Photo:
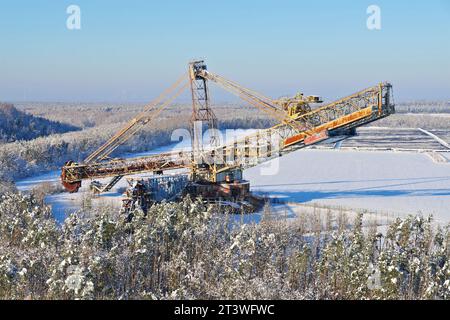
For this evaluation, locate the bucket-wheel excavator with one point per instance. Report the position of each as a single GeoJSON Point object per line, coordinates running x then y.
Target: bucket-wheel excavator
{"type": "Point", "coordinates": [215, 171]}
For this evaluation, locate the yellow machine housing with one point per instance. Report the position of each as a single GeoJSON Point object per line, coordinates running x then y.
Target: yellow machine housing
{"type": "Point", "coordinates": [298, 105]}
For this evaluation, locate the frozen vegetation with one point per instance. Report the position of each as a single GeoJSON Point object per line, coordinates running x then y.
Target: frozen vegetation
{"type": "Point", "coordinates": [25, 158]}
{"type": "Point", "coordinates": [17, 125]}
{"type": "Point", "coordinates": [190, 251]}
{"type": "Point", "coordinates": [428, 121]}
{"type": "Point", "coordinates": [424, 107]}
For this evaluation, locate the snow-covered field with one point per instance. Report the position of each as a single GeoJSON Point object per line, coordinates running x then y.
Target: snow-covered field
{"type": "Point", "coordinates": [399, 183]}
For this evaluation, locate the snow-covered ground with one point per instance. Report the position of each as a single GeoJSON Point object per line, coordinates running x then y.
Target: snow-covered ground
{"type": "Point", "coordinates": [399, 183]}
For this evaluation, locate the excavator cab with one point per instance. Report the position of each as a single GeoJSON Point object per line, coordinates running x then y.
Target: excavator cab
{"type": "Point", "coordinates": [298, 105]}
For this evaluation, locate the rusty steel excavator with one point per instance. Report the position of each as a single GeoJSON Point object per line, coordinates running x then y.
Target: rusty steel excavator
{"type": "Point", "coordinates": [215, 171]}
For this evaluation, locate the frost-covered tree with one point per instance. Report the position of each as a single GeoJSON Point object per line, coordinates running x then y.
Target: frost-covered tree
{"type": "Point", "coordinates": [195, 251]}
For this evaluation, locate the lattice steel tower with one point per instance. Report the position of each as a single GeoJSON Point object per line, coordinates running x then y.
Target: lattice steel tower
{"type": "Point", "coordinates": [201, 111]}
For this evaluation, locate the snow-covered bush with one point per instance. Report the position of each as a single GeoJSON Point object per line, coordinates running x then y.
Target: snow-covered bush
{"type": "Point", "coordinates": [191, 250]}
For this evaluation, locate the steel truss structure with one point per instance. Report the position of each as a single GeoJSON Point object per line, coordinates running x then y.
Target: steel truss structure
{"type": "Point", "coordinates": [336, 120]}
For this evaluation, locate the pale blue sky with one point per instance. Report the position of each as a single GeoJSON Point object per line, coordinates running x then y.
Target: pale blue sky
{"type": "Point", "coordinates": [131, 50]}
